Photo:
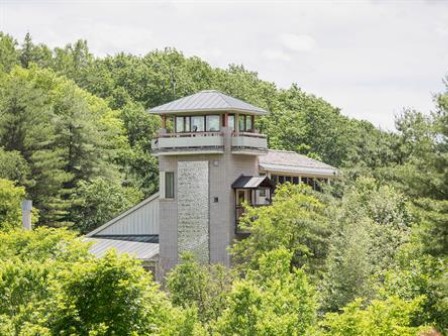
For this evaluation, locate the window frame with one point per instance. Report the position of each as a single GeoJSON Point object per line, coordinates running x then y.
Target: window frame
{"type": "Point", "coordinates": [169, 185]}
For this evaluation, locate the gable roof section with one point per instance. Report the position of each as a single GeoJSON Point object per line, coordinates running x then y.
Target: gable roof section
{"type": "Point", "coordinates": [125, 224]}
{"type": "Point", "coordinates": [207, 101]}
{"type": "Point", "coordinates": [293, 163]}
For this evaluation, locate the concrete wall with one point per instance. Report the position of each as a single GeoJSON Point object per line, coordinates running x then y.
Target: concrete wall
{"type": "Point", "coordinates": [224, 169]}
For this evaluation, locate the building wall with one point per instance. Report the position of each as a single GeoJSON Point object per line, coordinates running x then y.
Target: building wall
{"type": "Point", "coordinates": [223, 170]}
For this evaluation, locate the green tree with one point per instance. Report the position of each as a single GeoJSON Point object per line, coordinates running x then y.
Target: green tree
{"type": "Point", "coordinates": [65, 135]}
{"type": "Point", "coordinates": [9, 55]}
{"type": "Point", "coordinates": [10, 205]}
{"type": "Point", "coordinates": [296, 220]}
{"type": "Point", "coordinates": [98, 201]}
{"type": "Point", "coordinates": [270, 301]}
{"type": "Point", "coordinates": [204, 287]}
{"type": "Point", "coordinates": [14, 167]}
{"type": "Point", "coordinates": [51, 285]}
{"type": "Point", "coordinates": [370, 224]}
{"type": "Point", "coordinates": [389, 317]}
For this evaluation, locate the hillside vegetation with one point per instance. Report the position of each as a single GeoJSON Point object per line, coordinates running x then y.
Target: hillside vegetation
{"type": "Point", "coordinates": [367, 256]}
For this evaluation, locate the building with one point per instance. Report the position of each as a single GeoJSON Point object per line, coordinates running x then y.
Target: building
{"type": "Point", "coordinates": [211, 161]}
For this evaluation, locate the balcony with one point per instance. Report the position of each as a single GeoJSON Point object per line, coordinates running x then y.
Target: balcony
{"type": "Point", "coordinates": [249, 143]}
{"type": "Point", "coordinates": [188, 143]}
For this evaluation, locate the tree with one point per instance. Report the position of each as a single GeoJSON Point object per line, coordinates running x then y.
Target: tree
{"type": "Point", "coordinates": [273, 300]}
{"type": "Point", "coordinates": [296, 221]}
{"type": "Point", "coordinates": [98, 201]}
{"type": "Point", "coordinates": [9, 55]}
{"type": "Point", "coordinates": [204, 287]}
{"type": "Point", "coordinates": [389, 317]}
{"type": "Point", "coordinates": [65, 135]}
{"type": "Point", "coordinates": [370, 225]}
{"type": "Point", "coordinates": [50, 284]}
{"type": "Point", "coordinates": [14, 167]}
{"type": "Point", "coordinates": [10, 205]}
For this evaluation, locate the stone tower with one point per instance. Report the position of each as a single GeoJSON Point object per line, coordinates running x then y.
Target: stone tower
{"type": "Point", "coordinates": [208, 152]}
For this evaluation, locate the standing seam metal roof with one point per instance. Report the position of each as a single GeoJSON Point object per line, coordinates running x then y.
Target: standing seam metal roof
{"type": "Point", "coordinates": [208, 100]}
{"type": "Point", "coordinates": [142, 251]}
{"type": "Point", "coordinates": [290, 158]}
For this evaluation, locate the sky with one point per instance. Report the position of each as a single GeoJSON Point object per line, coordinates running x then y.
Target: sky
{"type": "Point", "coordinates": [370, 58]}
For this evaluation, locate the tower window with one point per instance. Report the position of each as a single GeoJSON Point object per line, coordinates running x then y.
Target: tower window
{"type": "Point", "coordinates": [232, 122]}
{"type": "Point", "coordinates": [197, 124]}
{"type": "Point", "coordinates": [169, 185]}
{"type": "Point", "coordinates": [212, 123]}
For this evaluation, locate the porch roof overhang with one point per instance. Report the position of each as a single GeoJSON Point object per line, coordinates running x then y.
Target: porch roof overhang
{"type": "Point", "coordinates": [252, 182]}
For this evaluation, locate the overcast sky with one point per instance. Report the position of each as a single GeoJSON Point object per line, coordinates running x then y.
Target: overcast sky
{"type": "Point", "coordinates": [369, 58]}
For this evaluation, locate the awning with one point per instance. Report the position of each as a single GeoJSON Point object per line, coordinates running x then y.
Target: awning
{"type": "Point", "coordinates": [252, 182]}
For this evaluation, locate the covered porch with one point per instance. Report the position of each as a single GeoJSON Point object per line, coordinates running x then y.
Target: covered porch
{"type": "Point", "coordinates": [254, 191]}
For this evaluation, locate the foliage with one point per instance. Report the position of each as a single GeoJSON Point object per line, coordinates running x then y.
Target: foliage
{"type": "Point", "coordinates": [271, 301]}
{"type": "Point", "coordinates": [50, 284]}
{"type": "Point", "coordinates": [389, 317]}
{"type": "Point", "coordinates": [295, 221]}
{"type": "Point", "coordinates": [98, 201]}
{"type": "Point", "coordinates": [204, 287]}
{"type": "Point", "coordinates": [371, 223]}
{"type": "Point", "coordinates": [14, 167]}
{"type": "Point", "coordinates": [11, 198]}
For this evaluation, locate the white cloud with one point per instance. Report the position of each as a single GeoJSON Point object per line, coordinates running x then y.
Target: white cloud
{"type": "Point", "coordinates": [370, 58]}
{"type": "Point", "coordinates": [298, 42]}
{"type": "Point", "coordinates": [276, 55]}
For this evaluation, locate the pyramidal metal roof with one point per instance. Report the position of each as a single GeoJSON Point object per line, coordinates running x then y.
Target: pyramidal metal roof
{"type": "Point", "coordinates": [207, 101]}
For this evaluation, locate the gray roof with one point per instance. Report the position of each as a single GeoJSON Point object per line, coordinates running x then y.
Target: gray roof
{"type": "Point", "coordinates": [207, 101]}
{"type": "Point", "coordinates": [252, 182]}
{"type": "Point", "coordinates": [141, 251]}
{"type": "Point", "coordinates": [294, 163]}
{"type": "Point", "coordinates": [131, 237]}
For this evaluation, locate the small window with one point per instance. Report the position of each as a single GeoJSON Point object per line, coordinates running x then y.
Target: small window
{"type": "Point", "coordinates": [169, 185]}
{"type": "Point", "coordinates": [295, 180]}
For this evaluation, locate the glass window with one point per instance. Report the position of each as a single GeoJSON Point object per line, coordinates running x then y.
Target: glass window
{"type": "Point", "coordinates": [212, 123]}
{"type": "Point", "coordinates": [179, 124]}
{"type": "Point", "coordinates": [232, 122]}
{"type": "Point", "coordinates": [241, 197]}
{"type": "Point", "coordinates": [249, 123]}
{"type": "Point", "coordinates": [187, 124]}
{"type": "Point", "coordinates": [169, 185]}
{"type": "Point", "coordinates": [295, 180]}
{"type": "Point", "coordinates": [242, 123]}
{"type": "Point", "coordinates": [197, 124]}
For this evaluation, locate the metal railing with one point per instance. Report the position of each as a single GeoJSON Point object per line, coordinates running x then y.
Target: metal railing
{"type": "Point", "coordinates": [190, 134]}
